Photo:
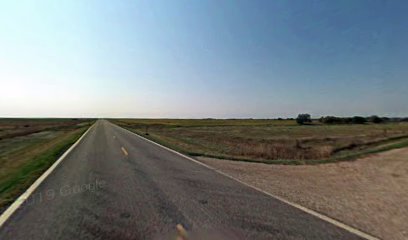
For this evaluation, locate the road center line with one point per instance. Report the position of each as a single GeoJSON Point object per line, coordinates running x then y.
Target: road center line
{"type": "Point", "coordinates": [124, 151]}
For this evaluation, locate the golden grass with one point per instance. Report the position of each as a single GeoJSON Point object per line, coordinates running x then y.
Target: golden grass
{"type": "Point", "coordinates": [266, 139]}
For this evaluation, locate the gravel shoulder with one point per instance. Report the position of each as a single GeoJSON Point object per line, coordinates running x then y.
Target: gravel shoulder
{"type": "Point", "coordinates": [369, 194]}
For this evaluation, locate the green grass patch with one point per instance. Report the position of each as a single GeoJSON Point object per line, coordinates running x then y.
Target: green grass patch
{"type": "Point", "coordinates": [16, 178]}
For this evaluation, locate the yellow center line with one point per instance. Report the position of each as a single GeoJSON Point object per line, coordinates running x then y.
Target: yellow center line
{"type": "Point", "coordinates": [124, 151]}
{"type": "Point", "coordinates": [181, 232]}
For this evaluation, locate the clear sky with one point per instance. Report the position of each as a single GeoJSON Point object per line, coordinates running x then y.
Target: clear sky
{"type": "Point", "coordinates": [260, 59]}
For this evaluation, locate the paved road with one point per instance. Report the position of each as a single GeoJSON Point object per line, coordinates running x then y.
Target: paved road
{"type": "Point", "coordinates": [115, 185]}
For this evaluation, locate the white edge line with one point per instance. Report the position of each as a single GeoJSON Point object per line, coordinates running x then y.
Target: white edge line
{"type": "Point", "coordinates": [304, 209]}
{"type": "Point", "coordinates": [23, 197]}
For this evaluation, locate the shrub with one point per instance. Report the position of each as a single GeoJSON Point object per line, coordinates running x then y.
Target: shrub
{"type": "Point", "coordinates": [348, 120]}
{"type": "Point", "coordinates": [331, 120]}
{"type": "Point", "coordinates": [358, 120]}
{"type": "Point", "coordinates": [375, 119]}
{"type": "Point", "coordinates": [386, 119]}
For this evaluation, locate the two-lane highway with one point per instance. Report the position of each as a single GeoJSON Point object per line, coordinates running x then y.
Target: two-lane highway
{"type": "Point", "coordinates": [116, 185]}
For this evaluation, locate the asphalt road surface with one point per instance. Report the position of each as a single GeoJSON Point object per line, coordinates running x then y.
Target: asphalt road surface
{"type": "Point", "coordinates": [116, 185]}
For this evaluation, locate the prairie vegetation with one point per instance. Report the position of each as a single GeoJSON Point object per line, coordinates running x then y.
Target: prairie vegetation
{"type": "Point", "coordinates": [10, 128]}
{"type": "Point", "coordinates": [271, 141]}
{"type": "Point", "coordinates": [28, 147]}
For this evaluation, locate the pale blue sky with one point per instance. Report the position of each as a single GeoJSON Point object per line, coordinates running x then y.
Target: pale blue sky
{"type": "Point", "coordinates": [195, 58]}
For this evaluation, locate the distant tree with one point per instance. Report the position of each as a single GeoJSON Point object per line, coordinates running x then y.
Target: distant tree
{"type": "Point", "coordinates": [375, 119]}
{"type": "Point", "coordinates": [358, 120]}
{"type": "Point", "coordinates": [303, 118]}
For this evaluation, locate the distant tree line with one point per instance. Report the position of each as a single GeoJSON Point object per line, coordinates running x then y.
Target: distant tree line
{"type": "Point", "coordinates": [344, 120]}
{"type": "Point", "coordinates": [305, 118]}
{"type": "Point", "coordinates": [353, 120]}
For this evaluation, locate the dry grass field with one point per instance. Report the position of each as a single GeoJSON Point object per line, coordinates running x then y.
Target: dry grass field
{"type": "Point", "coordinates": [270, 141]}
{"type": "Point", "coordinates": [14, 127]}
{"type": "Point", "coordinates": [28, 147]}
